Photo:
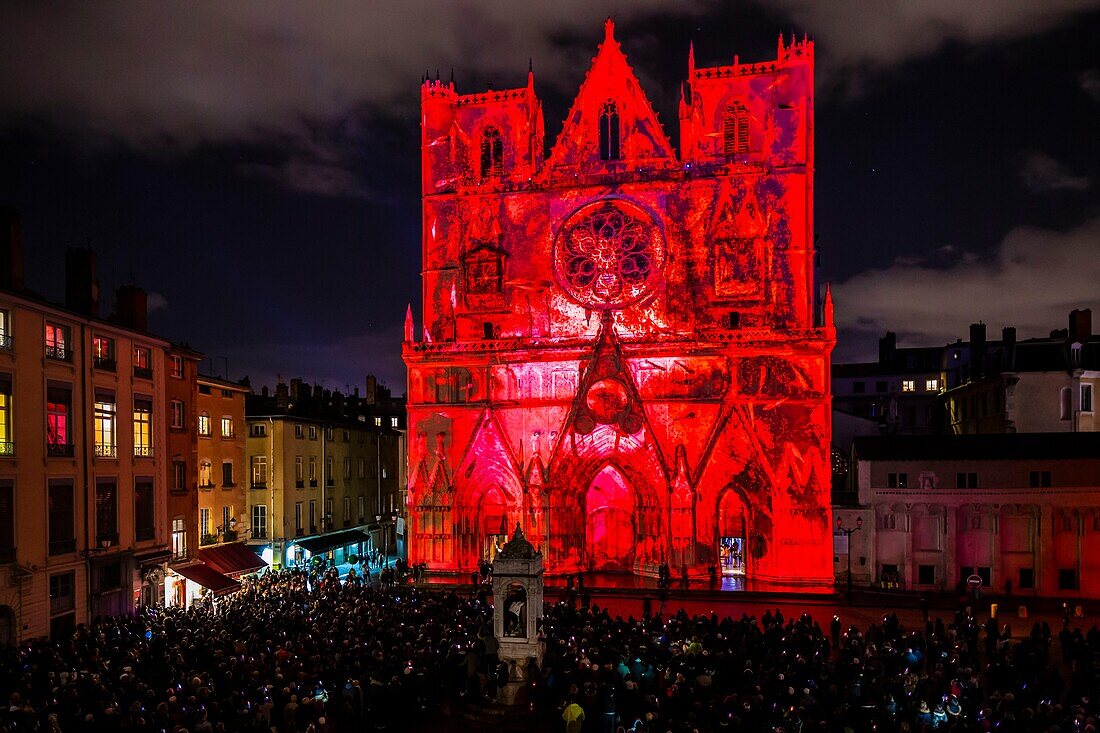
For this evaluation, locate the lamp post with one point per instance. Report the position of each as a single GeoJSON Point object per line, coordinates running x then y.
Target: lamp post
{"type": "Point", "coordinates": [848, 533]}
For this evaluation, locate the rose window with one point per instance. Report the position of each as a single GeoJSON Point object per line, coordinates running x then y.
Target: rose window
{"type": "Point", "coordinates": [608, 254]}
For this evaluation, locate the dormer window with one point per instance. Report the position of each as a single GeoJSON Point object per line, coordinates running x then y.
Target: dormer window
{"type": "Point", "coordinates": [610, 132]}
{"type": "Point", "coordinates": [735, 130]}
{"type": "Point", "coordinates": [492, 154]}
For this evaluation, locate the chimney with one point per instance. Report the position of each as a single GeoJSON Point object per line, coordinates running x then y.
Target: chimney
{"type": "Point", "coordinates": [372, 389]}
{"type": "Point", "coordinates": [1008, 346]}
{"type": "Point", "coordinates": [1080, 324]}
{"type": "Point", "coordinates": [81, 284]}
{"type": "Point", "coordinates": [888, 348]}
{"type": "Point", "coordinates": [11, 248]}
{"type": "Point", "coordinates": [133, 308]}
{"type": "Point", "coordinates": [295, 389]}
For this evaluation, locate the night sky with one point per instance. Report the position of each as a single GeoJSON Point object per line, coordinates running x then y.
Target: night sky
{"type": "Point", "coordinates": [255, 166]}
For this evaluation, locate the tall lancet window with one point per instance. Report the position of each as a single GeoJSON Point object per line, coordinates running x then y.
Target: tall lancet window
{"type": "Point", "coordinates": [610, 132]}
{"type": "Point", "coordinates": [735, 129]}
{"type": "Point", "coordinates": [492, 154]}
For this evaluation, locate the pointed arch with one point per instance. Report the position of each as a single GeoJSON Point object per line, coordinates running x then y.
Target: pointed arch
{"type": "Point", "coordinates": [610, 131]}
{"type": "Point", "coordinates": [492, 153]}
{"type": "Point", "coordinates": [735, 129]}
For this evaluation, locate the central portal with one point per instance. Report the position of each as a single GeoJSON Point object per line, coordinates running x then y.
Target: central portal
{"type": "Point", "coordinates": [610, 535]}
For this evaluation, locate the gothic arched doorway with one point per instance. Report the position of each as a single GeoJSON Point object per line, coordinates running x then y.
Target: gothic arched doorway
{"type": "Point", "coordinates": [610, 533]}
{"type": "Point", "coordinates": [733, 532]}
{"type": "Point", "coordinates": [493, 523]}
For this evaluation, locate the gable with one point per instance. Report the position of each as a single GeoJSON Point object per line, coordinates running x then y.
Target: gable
{"type": "Point", "coordinates": [610, 81]}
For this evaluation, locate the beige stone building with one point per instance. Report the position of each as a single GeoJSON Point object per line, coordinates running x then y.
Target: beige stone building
{"type": "Point", "coordinates": [83, 512]}
{"type": "Point", "coordinates": [1020, 511]}
{"type": "Point", "coordinates": [324, 479]}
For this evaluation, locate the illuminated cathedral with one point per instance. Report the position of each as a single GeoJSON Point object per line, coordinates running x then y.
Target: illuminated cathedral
{"type": "Point", "coordinates": [621, 349]}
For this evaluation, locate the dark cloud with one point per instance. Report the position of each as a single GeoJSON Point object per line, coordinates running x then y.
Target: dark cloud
{"type": "Point", "coordinates": [1032, 281]}
{"type": "Point", "coordinates": [1041, 173]}
{"type": "Point", "coordinates": [1090, 83]}
{"type": "Point", "coordinates": [887, 32]}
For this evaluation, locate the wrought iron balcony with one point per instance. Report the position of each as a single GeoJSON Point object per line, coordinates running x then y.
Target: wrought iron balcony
{"type": "Point", "coordinates": [103, 450]}
{"type": "Point", "coordinates": [299, 484]}
{"type": "Point", "coordinates": [59, 353]}
{"type": "Point", "coordinates": [143, 451]}
{"type": "Point", "coordinates": [143, 372]}
{"type": "Point", "coordinates": [7, 448]}
{"type": "Point", "coordinates": [208, 539]}
{"type": "Point", "coordinates": [259, 534]}
{"type": "Point", "coordinates": [7, 343]}
{"type": "Point", "coordinates": [60, 450]}
{"type": "Point", "coordinates": [104, 363]}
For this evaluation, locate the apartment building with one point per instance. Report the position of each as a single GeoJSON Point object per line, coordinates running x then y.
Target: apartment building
{"type": "Point", "coordinates": [83, 511]}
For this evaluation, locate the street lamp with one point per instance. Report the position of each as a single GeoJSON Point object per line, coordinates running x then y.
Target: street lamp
{"type": "Point", "coordinates": [385, 537]}
{"type": "Point", "coordinates": [848, 533]}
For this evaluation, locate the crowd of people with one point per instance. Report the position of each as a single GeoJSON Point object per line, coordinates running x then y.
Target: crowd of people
{"type": "Point", "coordinates": [294, 652]}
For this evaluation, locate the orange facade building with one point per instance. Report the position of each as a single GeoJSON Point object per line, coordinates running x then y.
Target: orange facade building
{"type": "Point", "coordinates": [621, 349]}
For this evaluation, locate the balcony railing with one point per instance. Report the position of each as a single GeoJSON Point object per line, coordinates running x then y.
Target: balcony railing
{"type": "Point", "coordinates": [7, 448]}
{"type": "Point", "coordinates": [206, 486]}
{"type": "Point", "coordinates": [313, 483]}
{"type": "Point", "coordinates": [259, 534]}
{"type": "Point", "coordinates": [208, 539]}
{"type": "Point", "coordinates": [59, 353]}
{"type": "Point", "coordinates": [313, 529]}
{"type": "Point", "coordinates": [104, 363]}
{"type": "Point", "coordinates": [7, 343]}
{"type": "Point", "coordinates": [145, 533]}
{"type": "Point", "coordinates": [102, 450]}
{"type": "Point", "coordinates": [60, 450]}
{"type": "Point", "coordinates": [63, 547]}
{"type": "Point", "coordinates": [143, 451]}
{"type": "Point", "coordinates": [299, 484]}
{"type": "Point", "coordinates": [143, 372]}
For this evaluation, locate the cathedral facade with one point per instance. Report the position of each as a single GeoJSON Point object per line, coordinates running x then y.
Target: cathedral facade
{"type": "Point", "coordinates": [620, 349]}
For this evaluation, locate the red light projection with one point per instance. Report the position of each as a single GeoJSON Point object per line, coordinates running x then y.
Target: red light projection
{"type": "Point", "coordinates": [620, 350]}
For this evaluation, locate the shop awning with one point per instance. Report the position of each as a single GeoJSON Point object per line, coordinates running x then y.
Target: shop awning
{"type": "Point", "coordinates": [208, 578]}
{"type": "Point", "coordinates": [326, 542]}
{"type": "Point", "coordinates": [233, 558]}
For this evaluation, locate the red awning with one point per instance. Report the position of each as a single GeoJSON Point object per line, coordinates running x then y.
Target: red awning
{"type": "Point", "coordinates": [233, 558]}
{"type": "Point", "coordinates": [208, 578]}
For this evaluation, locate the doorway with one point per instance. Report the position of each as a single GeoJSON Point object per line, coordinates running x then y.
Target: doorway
{"type": "Point", "coordinates": [611, 534]}
{"type": "Point", "coordinates": [732, 531]}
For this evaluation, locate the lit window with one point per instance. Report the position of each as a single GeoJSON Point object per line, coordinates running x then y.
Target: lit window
{"type": "Point", "coordinates": [908, 385]}
{"type": "Point", "coordinates": [204, 424]}
{"type": "Point", "coordinates": [298, 474]}
{"type": "Point", "coordinates": [143, 428]}
{"type": "Point", "coordinates": [378, 422]}
{"type": "Point", "coordinates": [610, 132]}
{"type": "Point", "coordinates": [932, 385]}
{"type": "Point", "coordinates": [103, 352]}
{"type": "Point", "coordinates": [58, 400]}
{"type": "Point", "coordinates": [57, 342]}
{"type": "Point", "coordinates": [104, 425]}
{"type": "Point", "coordinates": [227, 427]}
{"type": "Point", "coordinates": [5, 330]}
{"type": "Point", "coordinates": [179, 538]}
{"type": "Point", "coordinates": [175, 366]}
{"type": "Point", "coordinates": [177, 414]}
{"type": "Point", "coordinates": [313, 470]}
{"type": "Point", "coordinates": [206, 474]}
{"type": "Point", "coordinates": [7, 448]}
{"type": "Point", "coordinates": [204, 524]}
{"type": "Point", "coordinates": [142, 366]}
{"type": "Point", "coordinates": [492, 154]}
{"type": "Point", "coordinates": [393, 422]}
{"type": "Point", "coordinates": [735, 129]}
